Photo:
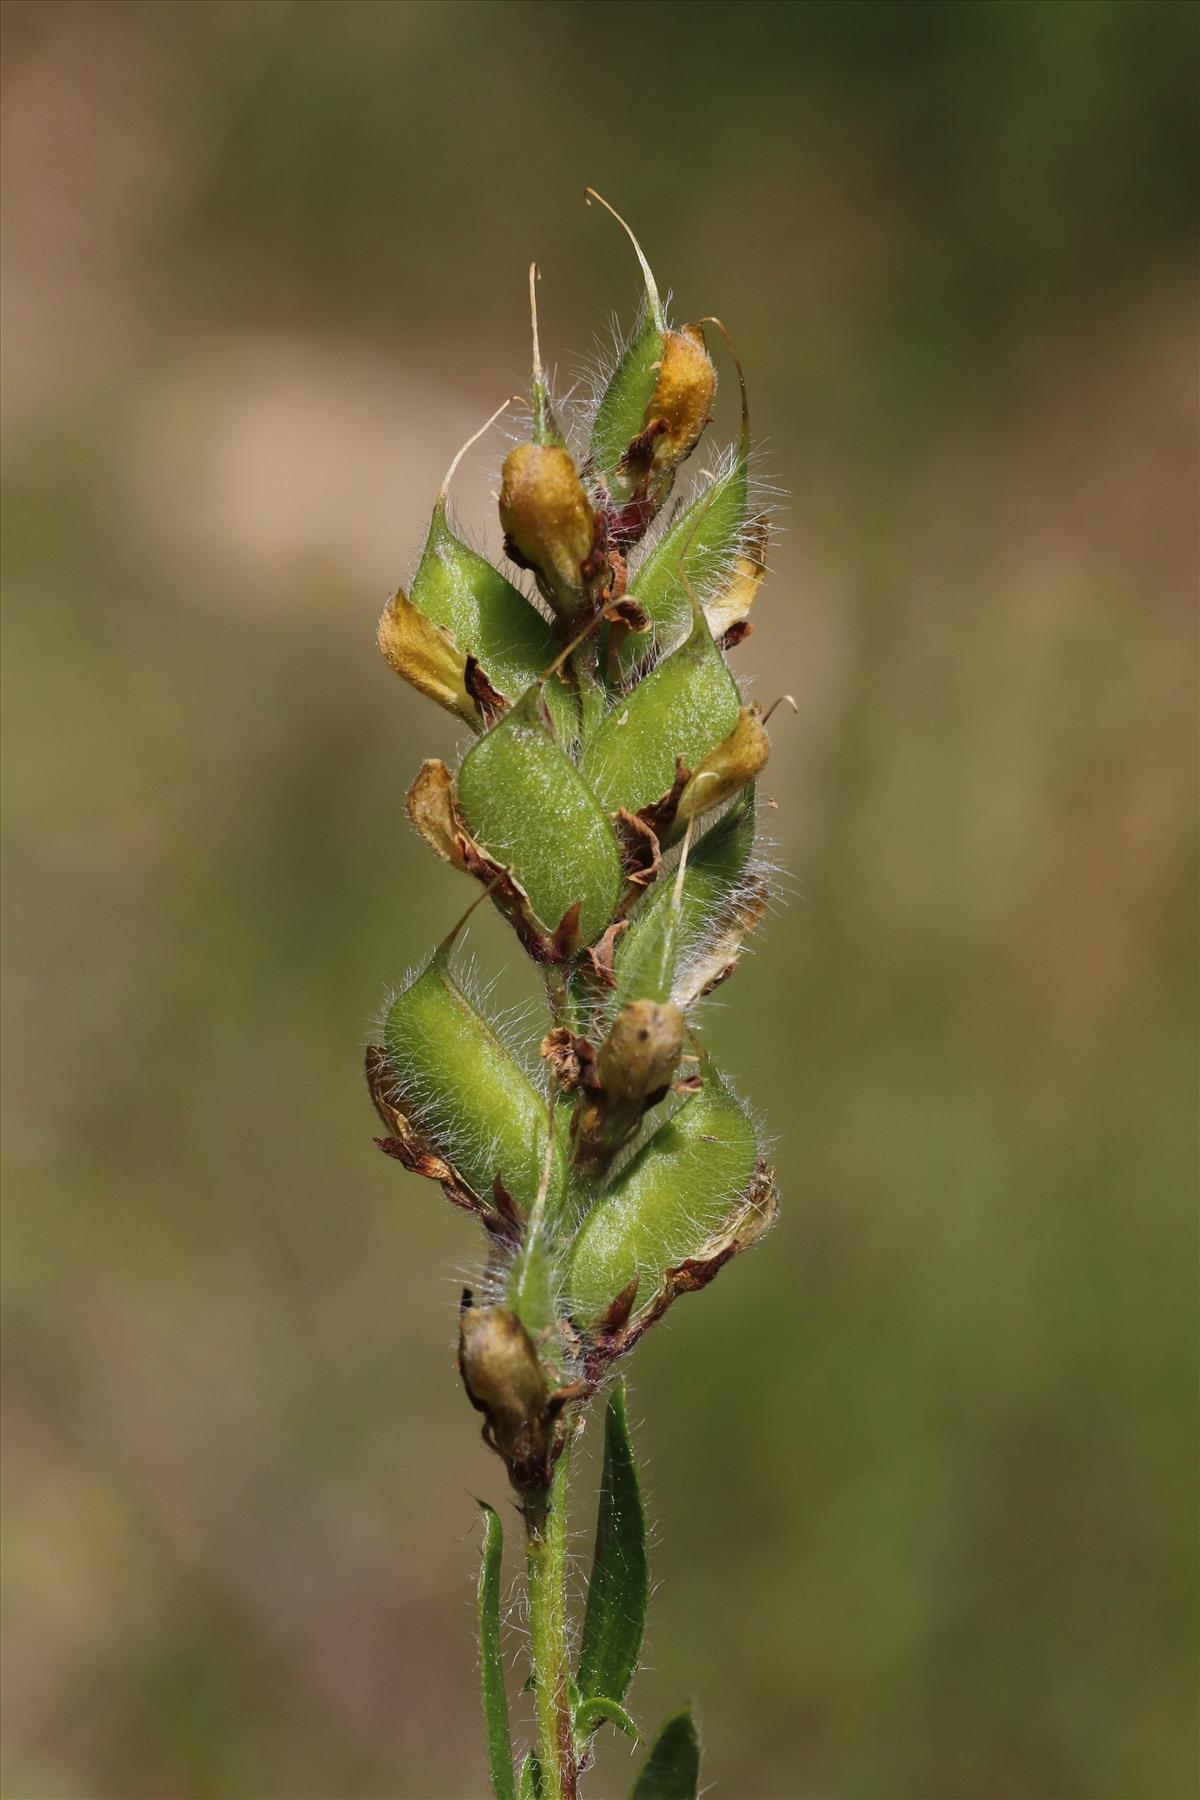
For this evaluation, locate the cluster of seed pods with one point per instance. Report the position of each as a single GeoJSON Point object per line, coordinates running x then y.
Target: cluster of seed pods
{"type": "Point", "coordinates": [607, 807]}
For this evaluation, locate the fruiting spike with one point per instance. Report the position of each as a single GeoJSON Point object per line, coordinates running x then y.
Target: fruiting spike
{"type": "Point", "coordinates": [599, 747]}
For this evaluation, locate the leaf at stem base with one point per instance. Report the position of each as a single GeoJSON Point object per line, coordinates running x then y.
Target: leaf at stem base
{"type": "Point", "coordinates": [491, 1661]}
{"type": "Point", "coordinates": [619, 1584]}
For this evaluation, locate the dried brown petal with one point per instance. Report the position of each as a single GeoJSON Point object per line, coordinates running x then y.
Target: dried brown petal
{"type": "Point", "coordinates": [726, 770]}
{"type": "Point", "coordinates": [601, 954]}
{"type": "Point", "coordinates": [572, 1059]}
{"type": "Point", "coordinates": [727, 609]}
{"type": "Point", "coordinates": [426, 656]}
{"type": "Point", "coordinates": [641, 856]}
{"type": "Point", "coordinates": [489, 703]}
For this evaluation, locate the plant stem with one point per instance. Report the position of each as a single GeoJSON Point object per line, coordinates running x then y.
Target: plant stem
{"type": "Point", "coordinates": [546, 1554]}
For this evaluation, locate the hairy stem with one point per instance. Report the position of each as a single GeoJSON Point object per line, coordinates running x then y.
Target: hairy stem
{"type": "Point", "coordinates": [546, 1553]}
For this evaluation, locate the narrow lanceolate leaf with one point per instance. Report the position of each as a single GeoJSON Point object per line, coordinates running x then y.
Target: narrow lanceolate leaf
{"type": "Point", "coordinates": [616, 1603]}
{"type": "Point", "coordinates": [672, 1769]}
{"type": "Point", "coordinates": [491, 1662]}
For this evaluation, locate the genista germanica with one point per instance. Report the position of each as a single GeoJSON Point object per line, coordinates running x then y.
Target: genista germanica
{"type": "Point", "coordinates": [606, 805]}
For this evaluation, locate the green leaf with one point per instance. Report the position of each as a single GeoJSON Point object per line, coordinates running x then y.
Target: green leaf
{"type": "Point", "coordinates": [530, 808]}
{"type": "Point", "coordinates": [683, 709]}
{"type": "Point", "coordinates": [491, 1662]}
{"type": "Point", "coordinates": [700, 543]}
{"type": "Point", "coordinates": [672, 1769]}
{"type": "Point", "coordinates": [530, 1787]}
{"type": "Point", "coordinates": [667, 1203]}
{"type": "Point", "coordinates": [617, 1591]}
{"type": "Point", "coordinates": [622, 408]}
{"type": "Point", "coordinates": [591, 1714]}
{"type": "Point", "coordinates": [455, 1077]}
{"type": "Point", "coordinates": [488, 617]}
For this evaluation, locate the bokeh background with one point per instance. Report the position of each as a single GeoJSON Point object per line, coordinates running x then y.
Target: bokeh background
{"type": "Point", "coordinates": [924, 1468]}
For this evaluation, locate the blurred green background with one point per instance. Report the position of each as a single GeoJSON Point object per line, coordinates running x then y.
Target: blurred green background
{"type": "Point", "coordinates": [924, 1467]}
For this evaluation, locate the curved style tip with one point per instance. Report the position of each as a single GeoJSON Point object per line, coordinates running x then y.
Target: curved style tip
{"type": "Point", "coordinates": [513, 400]}
{"type": "Point", "coordinates": [711, 319]}
{"type": "Point", "coordinates": [655, 304]}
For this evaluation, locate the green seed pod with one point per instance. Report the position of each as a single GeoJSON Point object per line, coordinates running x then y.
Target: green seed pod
{"type": "Point", "coordinates": [469, 1095]}
{"type": "Point", "coordinates": [621, 412]}
{"type": "Point", "coordinates": [669, 1203]}
{"type": "Point", "coordinates": [505, 1381]}
{"type": "Point", "coordinates": [684, 392]}
{"type": "Point", "coordinates": [548, 524]}
{"type": "Point", "coordinates": [667, 925]}
{"type": "Point", "coordinates": [653, 411]}
{"type": "Point", "coordinates": [528, 806]}
{"type": "Point", "coordinates": [699, 551]}
{"type": "Point", "coordinates": [634, 1067]}
{"type": "Point", "coordinates": [624, 401]}
{"type": "Point", "coordinates": [702, 537]}
{"type": "Point", "coordinates": [682, 710]}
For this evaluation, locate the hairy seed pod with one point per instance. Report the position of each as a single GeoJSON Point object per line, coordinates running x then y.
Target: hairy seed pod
{"type": "Point", "coordinates": [548, 525]}
{"type": "Point", "coordinates": [683, 394]}
{"type": "Point", "coordinates": [678, 1191]}
{"type": "Point", "coordinates": [635, 1065]}
{"type": "Point", "coordinates": [505, 1381]}
{"type": "Point", "coordinates": [652, 411]}
{"type": "Point", "coordinates": [664, 929]}
{"type": "Point", "coordinates": [681, 711]}
{"type": "Point", "coordinates": [529, 807]}
{"type": "Point", "coordinates": [471, 1097]}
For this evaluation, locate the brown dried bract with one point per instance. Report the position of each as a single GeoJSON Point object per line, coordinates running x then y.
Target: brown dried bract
{"type": "Point", "coordinates": [736, 634]}
{"type": "Point", "coordinates": [572, 1059]}
{"type": "Point", "coordinates": [641, 855]}
{"type": "Point", "coordinates": [601, 955]}
{"type": "Point", "coordinates": [489, 702]}
{"type": "Point", "coordinates": [748, 1221]}
{"type": "Point", "coordinates": [659, 816]}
